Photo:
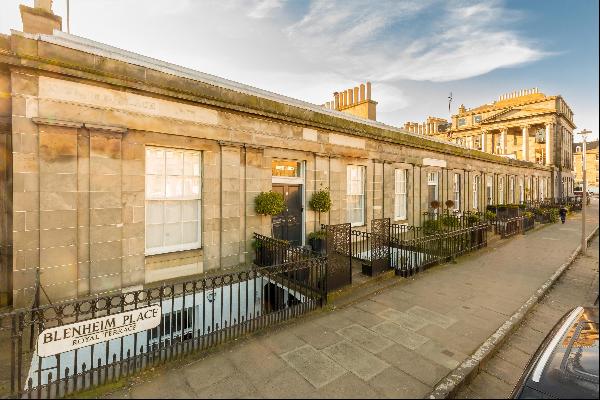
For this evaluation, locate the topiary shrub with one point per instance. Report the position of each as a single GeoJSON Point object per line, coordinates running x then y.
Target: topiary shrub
{"type": "Point", "coordinates": [269, 203]}
{"type": "Point", "coordinates": [449, 204]}
{"type": "Point", "coordinates": [435, 204]}
{"type": "Point", "coordinates": [320, 202]}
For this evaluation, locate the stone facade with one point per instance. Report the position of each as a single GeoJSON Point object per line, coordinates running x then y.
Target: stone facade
{"type": "Point", "coordinates": [76, 118]}
{"type": "Point", "coordinates": [591, 162]}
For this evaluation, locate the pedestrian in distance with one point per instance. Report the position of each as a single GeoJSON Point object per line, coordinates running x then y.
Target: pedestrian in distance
{"type": "Point", "coordinates": [563, 214]}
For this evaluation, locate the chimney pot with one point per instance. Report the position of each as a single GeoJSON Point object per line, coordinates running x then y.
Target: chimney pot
{"type": "Point", "coordinates": [368, 90]}
{"type": "Point", "coordinates": [43, 4]}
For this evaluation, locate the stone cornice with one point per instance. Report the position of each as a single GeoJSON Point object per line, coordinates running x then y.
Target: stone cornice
{"type": "Point", "coordinates": [224, 143]}
{"type": "Point", "coordinates": [108, 128]}
{"type": "Point", "coordinates": [56, 122]}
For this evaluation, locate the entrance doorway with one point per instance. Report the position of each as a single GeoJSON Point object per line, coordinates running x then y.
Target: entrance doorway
{"type": "Point", "coordinates": [288, 224]}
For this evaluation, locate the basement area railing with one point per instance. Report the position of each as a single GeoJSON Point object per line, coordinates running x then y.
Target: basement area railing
{"type": "Point", "coordinates": [83, 344]}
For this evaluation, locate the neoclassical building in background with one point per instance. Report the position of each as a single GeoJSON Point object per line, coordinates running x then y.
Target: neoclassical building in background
{"type": "Point", "coordinates": [121, 172]}
{"type": "Point", "coordinates": [524, 125]}
{"type": "Point", "coordinates": [592, 164]}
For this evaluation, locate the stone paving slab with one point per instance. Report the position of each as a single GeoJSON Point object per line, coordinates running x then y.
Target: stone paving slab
{"type": "Point", "coordinates": [398, 343]}
{"type": "Point", "coordinates": [313, 365]}
{"type": "Point", "coordinates": [405, 320]}
{"type": "Point", "coordinates": [400, 335]}
{"type": "Point", "coordinates": [365, 338]}
{"type": "Point", "coordinates": [356, 360]}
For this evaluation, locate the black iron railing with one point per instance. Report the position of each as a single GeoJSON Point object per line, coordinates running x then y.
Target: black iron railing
{"type": "Point", "coordinates": [411, 256]}
{"type": "Point", "coordinates": [405, 232]}
{"type": "Point", "coordinates": [508, 227]}
{"type": "Point", "coordinates": [194, 316]}
{"type": "Point", "coordinates": [528, 222]}
{"type": "Point", "coordinates": [269, 251]}
{"type": "Point", "coordinates": [360, 245]}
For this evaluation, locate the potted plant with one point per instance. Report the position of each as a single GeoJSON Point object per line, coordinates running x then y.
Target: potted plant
{"type": "Point", "coordinates": [317, 241]}
{"type": "Point", "coordinates": [320, 202]}
{"type": "Point", "coordinates": [269, 203]}
{"type": "Point", "coordinates": [262, 256]}
{"type": "Point", "coordinates": [435, 204]}
{"type": "Point", "coordinates": [449, 204]}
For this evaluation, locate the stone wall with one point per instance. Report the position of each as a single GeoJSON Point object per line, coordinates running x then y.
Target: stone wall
{"type": "Point", "coordinates": [78, 173]}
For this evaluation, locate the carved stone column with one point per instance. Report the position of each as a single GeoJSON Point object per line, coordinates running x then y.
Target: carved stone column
{"type": "Point", "coordinates": [525, 129]}
{"type": "Point", "coordinates": [503, 135]}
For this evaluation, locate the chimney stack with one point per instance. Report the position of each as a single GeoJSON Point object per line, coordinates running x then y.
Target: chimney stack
{"type": "Point", "coordinates": [356, 101]}
{"type": "Point", "coordinates": [40, 18]}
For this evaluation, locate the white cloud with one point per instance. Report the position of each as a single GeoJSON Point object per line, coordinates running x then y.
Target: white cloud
{"type": "Point", "coordinates": [308, 50]}
{"type": "Point", "coordinates": [264, 8]}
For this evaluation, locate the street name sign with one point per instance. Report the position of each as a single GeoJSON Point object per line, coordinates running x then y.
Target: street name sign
{"type": "Point", "coordinates": [65, 338]}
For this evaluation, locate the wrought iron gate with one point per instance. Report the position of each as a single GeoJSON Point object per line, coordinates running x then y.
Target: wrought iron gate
{"type": "Point", "coordinates": [339, 260]}
{"type": "Point", "coordinates": [380, 245]}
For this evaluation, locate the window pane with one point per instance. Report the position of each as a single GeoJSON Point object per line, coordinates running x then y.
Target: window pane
{"type": "Point", "coordinates": [155, 161]}
{"type": "Point", "coordinates": [154, 236]}
{"type": "Point", "coordinates": [191, 186]}
{"type": "Point", "coordinates": [172, 234]}
{"type": "Point", "coordinates": [190, 232]}
{"type": "Point", "coordinates": [174, 162]}
{"type": "Point", "coordinates": [191, 164]}
{"type": "Point", "coordinates": [172, 211]}
{"type": "Point", "coordinates": [154, 212]}
{"type": "Point", "coordinates": [174, 187]}
{"type": "Point", "coordinates": [189, 210]}
{"type": "Point", "coordinates": [155, 186]}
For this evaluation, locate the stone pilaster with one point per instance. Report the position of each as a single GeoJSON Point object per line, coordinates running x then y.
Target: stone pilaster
{"type": "Point", "coordinates": [230, 204]}
{"type": "Point", "coordinates": [550, 143]}
{"type": "Point", "coordinates": [106, 211]}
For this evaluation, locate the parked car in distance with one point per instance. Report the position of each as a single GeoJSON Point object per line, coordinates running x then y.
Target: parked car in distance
{"type": "Point", "coordinates": [565, 366]}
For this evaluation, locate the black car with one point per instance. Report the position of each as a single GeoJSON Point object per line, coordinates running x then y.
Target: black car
{"type": "Point", "coordinates": [565, 366]}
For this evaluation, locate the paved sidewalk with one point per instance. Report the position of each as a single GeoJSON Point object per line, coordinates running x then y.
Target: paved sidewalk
{"type": "Point", "coordinates": [578, 286]}
{"type": "Point", "coordinates": [399, 343]}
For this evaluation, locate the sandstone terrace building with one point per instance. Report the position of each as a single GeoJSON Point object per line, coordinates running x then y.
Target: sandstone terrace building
{"type": "Point", "coordinates": [121, 171]}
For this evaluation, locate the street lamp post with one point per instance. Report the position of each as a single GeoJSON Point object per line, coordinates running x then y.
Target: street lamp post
{"type": "Point", "coordinates": [583, 134]}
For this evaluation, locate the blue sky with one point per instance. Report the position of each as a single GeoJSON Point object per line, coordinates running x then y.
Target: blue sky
{"type": "Point", "coordinates": [414, 51]}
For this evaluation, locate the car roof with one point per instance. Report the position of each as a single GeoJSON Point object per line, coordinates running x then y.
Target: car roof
{"type": "Point", "coordinates": [568, 366]}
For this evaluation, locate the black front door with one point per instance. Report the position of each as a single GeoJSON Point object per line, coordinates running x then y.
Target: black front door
{"type": "Point", "coordinates": [288, 224]}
